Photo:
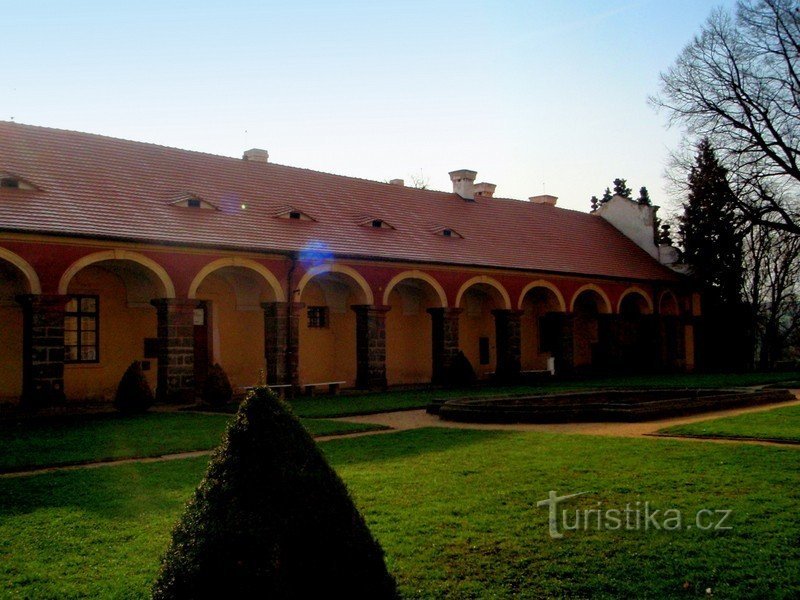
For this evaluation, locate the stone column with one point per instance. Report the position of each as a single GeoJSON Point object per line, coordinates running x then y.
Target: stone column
{"type": "Point", "coordinates": [445, 341]}
{"type": "Point", "coordinates": [175, 349]}
{"type": "Point", "coordinates": [371, 346]}
{"type": "Point", "coordinates": [509, 350]}
{"type": "Point", "coordinates": [282, 341]}
{"type": "Point", "coordinates": [43, 349]}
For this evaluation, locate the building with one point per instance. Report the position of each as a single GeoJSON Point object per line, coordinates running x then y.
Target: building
{"type": "Point", "coordinates": [113, 251]}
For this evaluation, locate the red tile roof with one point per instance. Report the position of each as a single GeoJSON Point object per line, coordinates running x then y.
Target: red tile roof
{"type": "Point", "coordinates": [90, 185]}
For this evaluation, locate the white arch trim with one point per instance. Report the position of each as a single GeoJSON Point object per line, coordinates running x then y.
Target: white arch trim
{"type": "Point", "coordinates": [488, 281]}
{"type": "Point", "coordinates": [639, 291]}
{"type": "Point", "coordinates": [594, 288]}
{"type": "Point", "coordinates": [663, 295]}
{"type": "Point", "coordinates": [416, 275]}
{"type": "Point", "coordinates": [541, 283]}
{"type": "Point", "coordinates": [23, 265]}
{"type": "Point", "coordinates": [245, 263]}
{"type": "Point", "coordinates": [334, 268]}
{"type": "Point", "coordinates": [82, 263]}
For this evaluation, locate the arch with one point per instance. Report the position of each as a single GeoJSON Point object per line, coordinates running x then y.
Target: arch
{"type": "Point", "coordinates": [81, 263]}
{"type": "Point", "coordinates": [415, 275]}
{"type": "Point", "coordinates": [640, 292]}
{"type": "Point", "coordinates": [488, 281]}
{"type": "Point", "coordinates": [334, 268]}
{"type": "Point", "coordinates": [541, 283]}
{"type": "Point", "coordinates": [594, 288]}
{"type": "Point", "coordinates": [245, 263]}
{"type": "Point", "coordinates": [23, 265]}
{"type": "Point", "coordinates": [665, 294]}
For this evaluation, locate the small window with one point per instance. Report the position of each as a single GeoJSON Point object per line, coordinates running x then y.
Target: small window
{"type": "Point", "coordinates": [193, 203]}
{"type": "Point", "coordinates": [82, 330]}
{"type": "Point", "coordinates": [9, 182]}
{"type": "Point", "coordinates": [318, 317]}
{"type": "Point", "coordinates": [483, 350]}
{"type": "Point", "coordinates": [377, 223]}
{"type": "Point", "coordinates": [295, 215]}
{"type": "Point", "coordinates": [447, 232]}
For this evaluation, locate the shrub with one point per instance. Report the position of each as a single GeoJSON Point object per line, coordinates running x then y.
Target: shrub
{"type": "Point", "coordinates": [133, 392]}
{"type": "Point", "coordinates": [217, 390]}
{"type": "Point", "coordinates": [460, 372]}
{"type": "Point", "coordinates": [271, 519]}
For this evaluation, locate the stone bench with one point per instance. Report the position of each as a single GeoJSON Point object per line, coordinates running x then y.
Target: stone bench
{"type": "Point", "coordinates": [333, 387]}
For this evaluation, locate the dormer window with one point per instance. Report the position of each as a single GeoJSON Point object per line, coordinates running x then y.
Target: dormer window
{"type": "Point", "coordinates": [13, 182]}
{"type": "Point", "coordinates": [447, 232]}
{"type": "Point", "coordinates": [192, 201]}
{"type": "Point", "coordinates": [293, 214]}
{"type": "Point", "coordinates": [374, 223]}
{"type": "Point", "coordinates": [9, 182]}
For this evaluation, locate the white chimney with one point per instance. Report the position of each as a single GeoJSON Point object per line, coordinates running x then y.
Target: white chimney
{"type": "Point", "coordinates": [544, 199]}
{"type": "Point", "coordinates": [463, 181]}
{"type": "Point", "coordinates": [399, 182]}
{"type": "Point", "coordinates": [484, 190]}
{"type": "Point", "coordinates": [256, 155]}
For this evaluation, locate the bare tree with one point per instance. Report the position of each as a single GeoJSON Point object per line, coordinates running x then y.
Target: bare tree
{"type": "Point", "coordinates": [738, 85]}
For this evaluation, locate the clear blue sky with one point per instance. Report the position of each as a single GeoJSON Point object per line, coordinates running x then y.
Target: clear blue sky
{"type": "Point", "coordinates": [526, 93]}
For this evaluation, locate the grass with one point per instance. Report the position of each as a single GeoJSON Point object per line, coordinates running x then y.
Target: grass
{"type": "Point", "coordinates": [80, 439]}
{"type": "Point", "coordinates": [781, 424]}
{"type": "Point", "coordinates": [338, 406]}
{"type": "Point", "coordinates": [455, 511]}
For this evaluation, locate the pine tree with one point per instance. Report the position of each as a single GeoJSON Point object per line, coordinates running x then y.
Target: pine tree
{"type": "Point", "coordinates": [644, 197]}
{"type": "Point", "coordinates": [709, 236]}
{"type": "Point", "coordinates": [606, 196]}
{"type": "Point", "coordinates": [621, 188]}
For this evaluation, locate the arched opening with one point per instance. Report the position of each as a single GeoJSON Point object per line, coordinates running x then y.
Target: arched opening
{"type": "Point", "coordinates": [537, 328]}
{"type": "Point", "coordinates": [587, 307]}
{"type": "Point", "coordinates": [108, 323]}
{"type": "Point", "coordinates": [327, 328]}
{"type": "Point", "coordinates": [409, 347]}
{"type": "Point", "coordinates": [673, 333]}
{"type": "Point", "coordinates": [476, 328]}
{"type": "Point", "coordinates": [635, 335]}
{"type": "Point", "coordinates": [229, 323]}
{"type": "Point", "coordinates": [13, 283]}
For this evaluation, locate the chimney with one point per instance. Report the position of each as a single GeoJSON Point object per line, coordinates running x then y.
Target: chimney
{"type": "Point", "coordinates": [463, 181]}
{"type": "Point", "coordinates": [399, 182]}
{"type": "Point", "coordinates": [256, 155]}
{"type": "Point", "coordinates": [484, 190]}
{"type": "Point", "coordinates": [544, 199]}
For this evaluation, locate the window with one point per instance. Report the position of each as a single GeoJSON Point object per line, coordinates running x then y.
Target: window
{"type": "Point", "coordinates": [81, 330]}
{"type": "Point", "coordinates": [318, 317]}
{"type": "Point", "coordinates": [483, 350]}
{"type": "Point", "coordinates": [295, 215]}
{"type": "Point", "coordinates": [548, 333]}
{"type": "Point", "coordinates": [9, 182]}
{"type": "Point", "coordinates": [194, 203]}
{"type": "Point", "coordinates": [447, 232]}
{"type": "Point", "coordinates": [377, 223]}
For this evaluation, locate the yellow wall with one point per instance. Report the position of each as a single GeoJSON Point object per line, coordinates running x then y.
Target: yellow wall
{"type": "Point", "coordinates": [122, 333]}
{"type": "Point", "coordinates": [237, 334]}
{"type": "Point", "coordinates": [10, 353]}
{"type": "Point", "coordinates": [409, 346]}
{"type": "Point", "coordinates": [477, 321]}
{"type": "Point", "coordinates": [328, 354]}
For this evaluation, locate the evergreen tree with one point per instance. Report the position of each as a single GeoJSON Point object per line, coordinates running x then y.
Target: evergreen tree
{"type": "Point", "coordinates": [621, 188]}
{"type": "Point", "coordinates": [644, 197]}
{"type": "Point", "coordinates": [709, 235]}
{"type": "Point", "coordinates": [594, 202]}
{"type": "Point", "coordinates": [606, 196]}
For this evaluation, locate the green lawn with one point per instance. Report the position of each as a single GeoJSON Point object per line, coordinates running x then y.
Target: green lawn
{"type": "Point", "coordinates": [776, 424]}
{"type": "Point", "coordinates": [94, 438]}
{"type": "Point", "coordinates": [456, 513]}
{"type": "Point", "coordinates": [337, 406]}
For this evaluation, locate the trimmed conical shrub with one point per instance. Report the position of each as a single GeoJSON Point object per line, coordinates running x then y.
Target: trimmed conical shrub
{"type": "Point", "coordinates": [272, 519]}
{"type": "Point", "coordinates": [217, 390]}
{"type": "Point", "coordinates": [133, 392]}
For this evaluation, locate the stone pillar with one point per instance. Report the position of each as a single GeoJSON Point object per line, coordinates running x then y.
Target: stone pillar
{"type": "Point", "coordinates": [43, 349]}
{"type": "Point", "coordinates": [445, 341]}
{"type": "Point", "coordinates": [371, 346]}
{"type": "Point", "coordinates": [175, 349]}
{"type": "Point", "coordinates": [509, 349]}
{"type": "Point", "coordinates": [282, 341]}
